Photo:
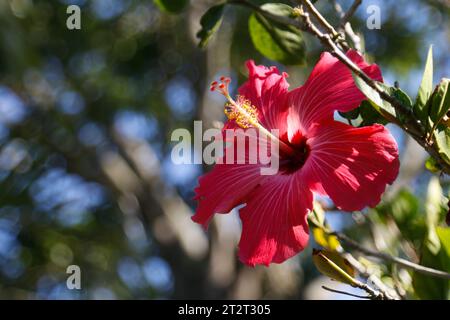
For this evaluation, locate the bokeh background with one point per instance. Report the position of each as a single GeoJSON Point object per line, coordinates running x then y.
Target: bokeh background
{"type": "Point", "coordinates": [85, 123]}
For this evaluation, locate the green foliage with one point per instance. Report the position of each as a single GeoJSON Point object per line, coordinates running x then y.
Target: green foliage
{"type": "Point", "coordinates": [433, 218]}
{"type": "Point", "coordinates": [274, 40]}
{"type": "Point", "coordinates": [432, 165]}
{"type": "Point", "coordinates": [442, 137]}
{"type": "Point", "coordinates": [210, 23]}
{"type": "Point", "coordinates": [427, 287]}
{"type": "Point", "coordinates": [407, 213]}
{"type": "Point", "coordinates": [426, 86]}
{"type": "Point", "coordinates": [370, 115]}
{"type": "Point", "coordinates": [334, 266]}
{"type": "Point", "coordinates": [383, 107]}
{"type": "Point", "coordinates": [351, 115]}
{"type": "Point", "coordinates": [172, 6]}
{"type": "Point", "coordinates": [432, 106]}
{"type": "Point", "coordinates": [439, 103]}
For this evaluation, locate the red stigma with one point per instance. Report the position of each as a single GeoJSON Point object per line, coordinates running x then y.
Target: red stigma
{"type": "Point", "coordinates": [221, 85]}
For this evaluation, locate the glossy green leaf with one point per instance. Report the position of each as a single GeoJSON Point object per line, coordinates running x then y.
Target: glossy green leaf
{"type": "Point", "coordinates": [426, 87]}
{"type": "Point", "coordinates": [210, 23]}
{"type": "Point", "coordinates": [380, 105]}
{"type": "Point", "coordinates": [274, 40]}
{"type": "Point", "coordinates": [172, 6]}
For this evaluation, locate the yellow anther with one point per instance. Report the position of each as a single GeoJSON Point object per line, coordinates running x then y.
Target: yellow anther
{"type": "Point", "coordinates": [242, 112]}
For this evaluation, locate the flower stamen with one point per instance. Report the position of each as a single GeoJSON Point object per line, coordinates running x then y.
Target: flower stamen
{"type": "Point", "coordinates": [243, 112]}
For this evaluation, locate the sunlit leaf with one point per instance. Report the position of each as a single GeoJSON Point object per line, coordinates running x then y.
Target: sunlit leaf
{"type": "Point", "coordinates": [442, 137]}
{"type": "Point", "coordinates": [439, 102]}
{"type": "Point", "coordinates": [383, 107]}
{"type": "Point", "coordinates": [334, 266]}
{"type": "Point", "coordinates": [432, 165]}
{"type": "Point", "coordinates": [325, 240]}
{"type": "Point", "coordinates": [274, 40]}
{"type": "Point", "coordinates": [426, 86]}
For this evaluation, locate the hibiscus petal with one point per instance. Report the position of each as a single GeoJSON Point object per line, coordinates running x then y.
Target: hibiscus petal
{"type": "Point", "coordinates": [351, 165]}
{"type": "Point", "coordinates": [224, 188]}
{"type": "Point", "coordinates": [330, 87]}
{"type": "Point", "coordinates": [266, 88]}
{"type": "Point", "coordinates": [274, 221]}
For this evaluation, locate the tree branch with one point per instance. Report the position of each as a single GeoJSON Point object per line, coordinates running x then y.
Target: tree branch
{"type": "Point", "coordinates": [336, 36]}
{"type": "Point", "coordinates": [350, 12]}
{"type": "Point", "coordinates": [386, 257]}
{"type": "Point", "coordinates": [345, 27]}
{"type": "Point", "coordinates": [411, 125]}
{"type": "Point", "coordinates": [345, 293]}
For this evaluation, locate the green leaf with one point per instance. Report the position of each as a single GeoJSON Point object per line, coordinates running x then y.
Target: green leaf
{"type": "Point", "coordinates": [383, 107]}
{"type": "Point", "coordinates": [369, 114]}
{"type": "Point", "coordinates": [401, 96]}
{"type": "Point", "coordinates": [351, 115]}
{"type": "Point", "coordinates": [325, 240]}
{"type": "Point", "coordinates": [440, 102]}
{"type": "Point", "coordinates": [274, 40]}
{"type": "Point", "coordinates": [444, 237]}
{"type": "Point", "coordinates": [427, 287]}
{"type": "Point", "coordinates": [442, 137]}
{"type": "Point", "coordinates": [432, 165]}
{"type": "Point", "coordinates": [171, 6]}
{"type": "Point", "coordinates": [333, 265]}
{"type": "Point", "coordinates": [405, 209]}
{"type": "Point", "coordinates": [426, 87]}
{"type": "Point", "coordinates": [210, 23]}
{"type": "Point", "coordinates": [433, 209]}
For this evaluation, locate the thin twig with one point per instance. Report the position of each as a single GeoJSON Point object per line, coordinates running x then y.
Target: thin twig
{"type": "Point", "coordinates": [386, 257]}
{"type": "Point", "coordinates": [345, 26]}
{"type": "Point", "coordinates": [363, 271]}
{"type": "Point", "coordinates": [345, 293]}
{"type": "Point", "coordinates": [410, 124]}
{"type": "Point", "coordinates": [350, 12]}
{"type": "Point", "coordinates": [335, 36]}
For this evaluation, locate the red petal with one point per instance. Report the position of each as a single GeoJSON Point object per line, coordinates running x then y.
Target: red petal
{"type": "Point", "coordinates": [224, 188]}
{"type": "Point", "coordinates": [330, 87]}
{"type": "Point", "coordinates": [274, 221]}
{"type": "Point", "coordinates": [266, 88]}
{"type": "Point", "coordinates": [352, 165]}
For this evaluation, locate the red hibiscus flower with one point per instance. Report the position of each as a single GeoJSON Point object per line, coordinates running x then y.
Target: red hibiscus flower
{"type": "Point", "coordinates": [350, 165]}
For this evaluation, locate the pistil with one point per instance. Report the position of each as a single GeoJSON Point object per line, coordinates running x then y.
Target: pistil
{"type": "Point", "coordinates": [244, 113]}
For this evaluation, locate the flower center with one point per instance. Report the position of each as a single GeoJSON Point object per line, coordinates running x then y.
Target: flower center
{"type": "Point", "coordinates": [244, 113]}
{"type": "Point", "coordinates": [289, 163]}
